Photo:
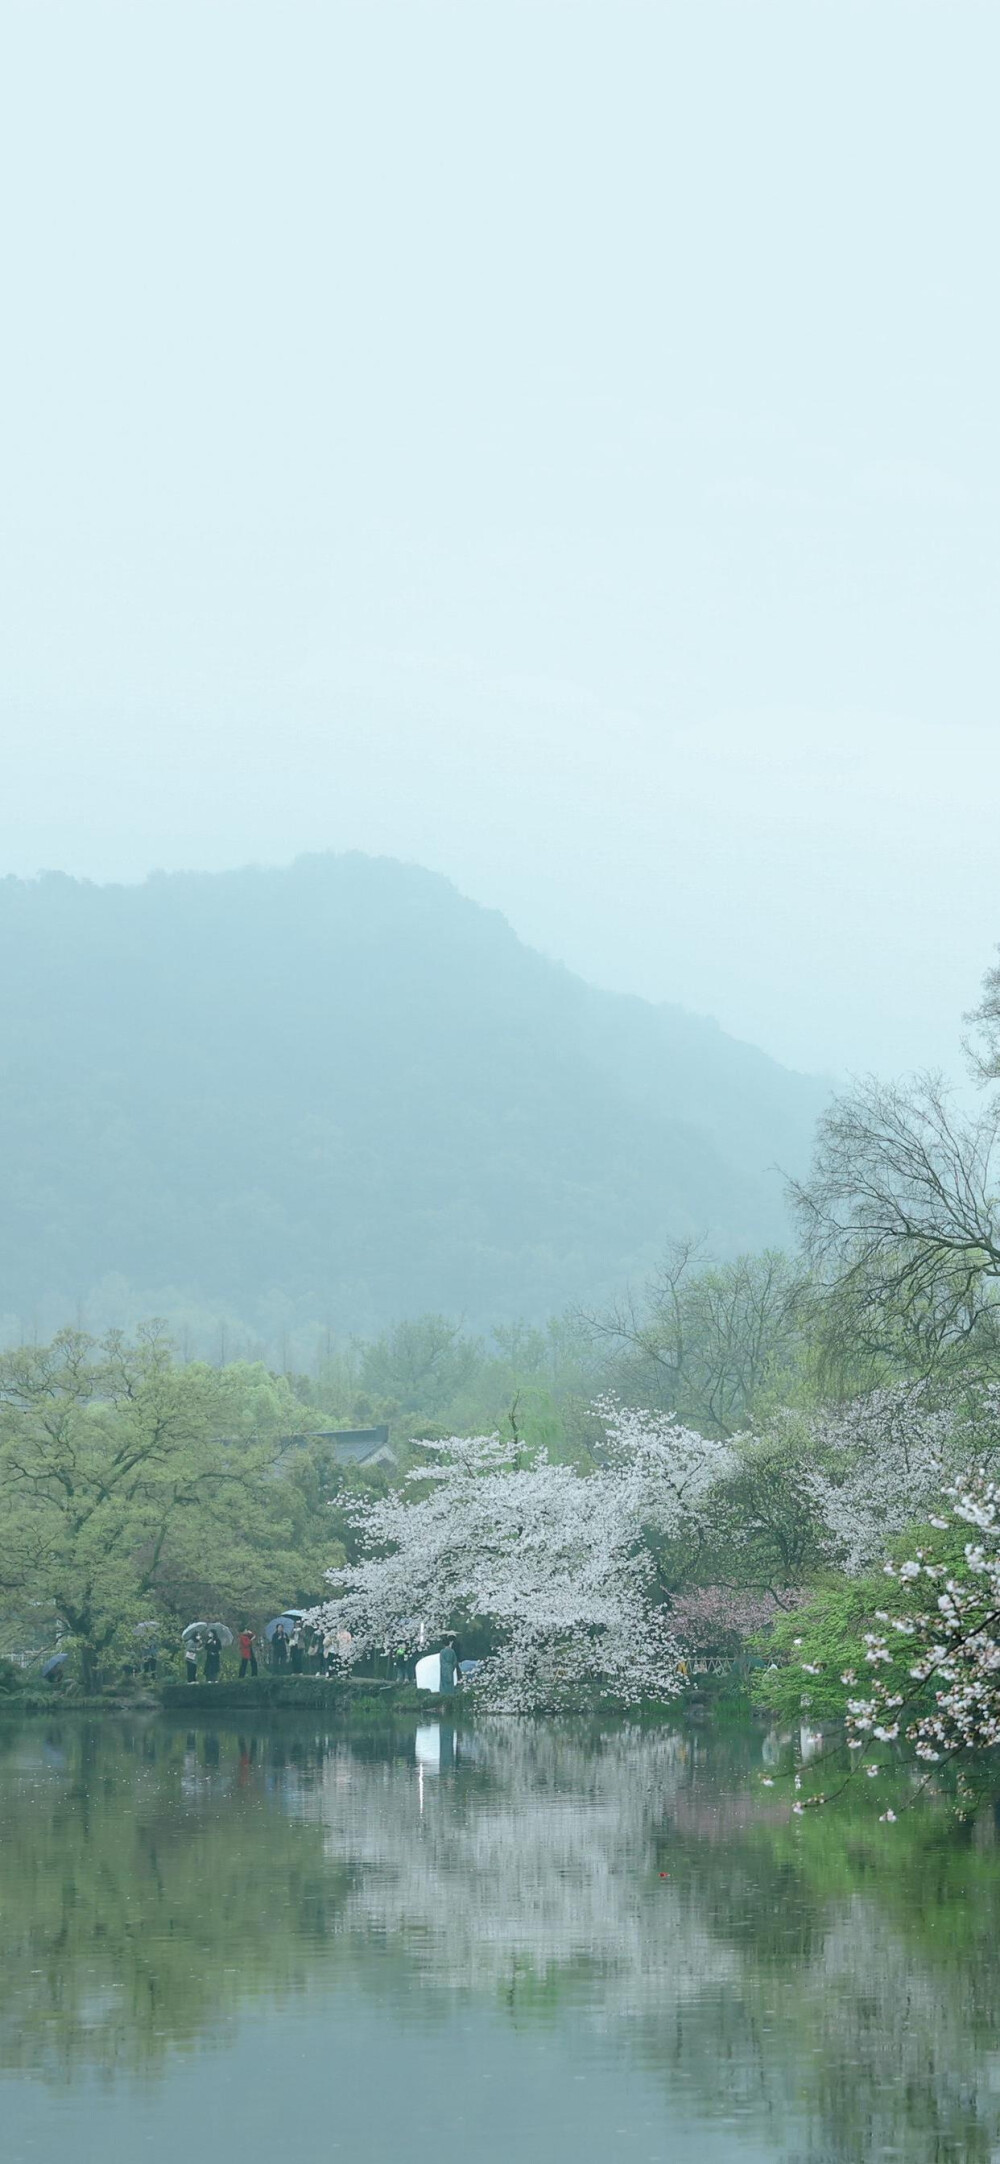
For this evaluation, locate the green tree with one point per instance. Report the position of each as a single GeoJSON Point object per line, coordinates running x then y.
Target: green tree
{"type": "Point", "coordinates": [708, 1344]}
{"type": "Point", "coordinates": [128, 1482]}
{"type": "Point", "coordinates": [421, 1364]}
{"type": "Point", "coordinates": [765, 1530]}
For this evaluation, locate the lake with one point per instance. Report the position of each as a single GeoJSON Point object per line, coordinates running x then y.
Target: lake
{"type": "Point", "coordinates": [280, 1939]}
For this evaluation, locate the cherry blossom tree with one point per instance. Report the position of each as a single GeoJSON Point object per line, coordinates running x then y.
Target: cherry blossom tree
{"type": "Point", "coordinates": [936, 1664]}
{"type": "Point", "coordinates": [721, 1618]}
{"type": "Point", "coordinates": [879, 1464]}
{"type": "Point", "coordinates": [933, 1661]}
{"type": "Point", "coordinates": [561, 1567]}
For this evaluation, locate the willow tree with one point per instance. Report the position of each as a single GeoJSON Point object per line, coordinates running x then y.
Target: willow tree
{"type": "Point", "coordinates": [901, 1224]}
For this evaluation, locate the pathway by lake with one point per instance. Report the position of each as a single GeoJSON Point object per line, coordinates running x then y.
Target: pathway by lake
{"type": "Point", "coordinates": [245, 1942]}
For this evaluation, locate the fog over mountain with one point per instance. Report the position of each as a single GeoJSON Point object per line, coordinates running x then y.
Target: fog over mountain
{"type": "Point", "coordinates": [557, 445]}
{"type": "Point", "coordinates": [341, 1092]}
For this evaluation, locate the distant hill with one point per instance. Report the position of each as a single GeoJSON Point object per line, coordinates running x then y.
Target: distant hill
{"type": "Point", "coordinates": [340, 1093]}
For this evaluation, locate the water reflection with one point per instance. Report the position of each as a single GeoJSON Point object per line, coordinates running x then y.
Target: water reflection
{"type": "Point", "coordinates": [532, 1872]}
{"type": "Point", "coordinates": [835, 1984]}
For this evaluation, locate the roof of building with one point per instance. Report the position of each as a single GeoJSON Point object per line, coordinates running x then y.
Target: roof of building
{"type": "Point", "coordinates": [353, 1446]}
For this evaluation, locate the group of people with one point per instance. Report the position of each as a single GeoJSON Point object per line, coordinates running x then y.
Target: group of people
{"type": "Point", "coordinates": [297, 1651]}
{"type": "Point", "coordinates": [211, 1646]}
{"type": "Point", "coordinates": [288, 1648]}
{"type": "Point", "coordinates": [309, 1652]}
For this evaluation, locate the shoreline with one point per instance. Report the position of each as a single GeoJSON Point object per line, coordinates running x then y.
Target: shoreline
{"type": "Point", "coordinates": [309, 1694]}
{"type": "Point", "coordinates": [365, 1698]}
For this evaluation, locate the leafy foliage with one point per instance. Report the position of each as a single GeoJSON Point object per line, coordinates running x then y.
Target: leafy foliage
{"type": "Point", "coordinates": [132, 1485]}
{"type": "Point", "coordinates": [934, 1668]}
{"type": "Point", "coordinates": [812, 1649]}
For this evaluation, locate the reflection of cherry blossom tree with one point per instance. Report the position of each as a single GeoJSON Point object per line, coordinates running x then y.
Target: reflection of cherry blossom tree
{"type": "Point", "coordinates": [789, 1998]}
{"type": "Point", "coordinates": [527, 1877]}
{"type": "Point", "coordinates": [559, 1565]}
{"type": "Point", "coordinates": [536, 1861]}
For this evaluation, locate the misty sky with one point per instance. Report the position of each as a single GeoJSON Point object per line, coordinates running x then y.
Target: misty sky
{"type": "Point", "coordinates": [557, 443]}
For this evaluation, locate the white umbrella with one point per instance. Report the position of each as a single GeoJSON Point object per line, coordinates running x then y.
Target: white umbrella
{"type": "Point", "coordinates": [200, 1631]}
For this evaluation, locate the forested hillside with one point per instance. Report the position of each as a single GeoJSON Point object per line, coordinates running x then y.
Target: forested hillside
{"type": "Point", "coordinates": [340, 1093]}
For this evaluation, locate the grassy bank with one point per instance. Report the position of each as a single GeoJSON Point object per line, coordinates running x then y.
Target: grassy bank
{"type": "Point", "coordinates": [719, 1698]}
{"type": "Point", "coordinates": [202, 1701]}
{"type": "Point", "coordinates": [299, 1694]}
{"type": "Point", "coordinates": [15, 1705]}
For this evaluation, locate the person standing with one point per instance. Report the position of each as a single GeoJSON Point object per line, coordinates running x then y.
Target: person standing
{"type": "Point", "coordinates": [191, 1659]}
{"type": "Point", "coordinates": [248, 1658]}
{"type": "Point", "coordinates": [296, 1650]}
{"type": "Point", "coordinates": [279, 1647]}
{"type": "Point", "coordinates": [213, 1657]}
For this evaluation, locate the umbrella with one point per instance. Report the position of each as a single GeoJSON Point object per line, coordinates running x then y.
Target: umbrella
{"type": "Point", "coordinates": [289, 1617]}
{"type": "Point", "coordinates": [53, 1666]}
{"type": "Point", "coordinates": [198, 1631]}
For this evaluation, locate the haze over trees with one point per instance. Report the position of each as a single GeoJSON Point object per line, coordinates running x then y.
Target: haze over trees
{"type": "Point", "coordinates": [593, 1500]}
{"type": "Point", "coordinates": [331, 1097]}
{"type": "Point", "coordinates": [856, 1411]}
{"type": "Point", "coordinates": [740, 1438]}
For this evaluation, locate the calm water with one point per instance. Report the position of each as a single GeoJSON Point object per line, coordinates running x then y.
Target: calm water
{"type": "Point", "coordinates": [245, 1943]}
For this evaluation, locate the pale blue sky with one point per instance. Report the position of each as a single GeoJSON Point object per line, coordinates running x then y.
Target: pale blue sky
{"type": "Point", "coordinates": [554, 442]}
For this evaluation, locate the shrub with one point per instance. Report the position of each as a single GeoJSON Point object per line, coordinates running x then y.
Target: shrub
{"type": "Point", "coordinates": [828, 1635]}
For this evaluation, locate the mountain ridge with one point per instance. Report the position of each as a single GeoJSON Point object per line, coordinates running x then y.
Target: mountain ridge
{"type": "Point", "coordinates": [341, 1091]}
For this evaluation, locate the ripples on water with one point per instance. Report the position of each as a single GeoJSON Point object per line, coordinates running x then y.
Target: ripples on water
{"type": "Point", "coordinates": [530, 1940]}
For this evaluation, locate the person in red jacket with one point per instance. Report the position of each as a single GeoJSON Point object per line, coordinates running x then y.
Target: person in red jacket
{"type": "Point", "coordinates": [248, 1658]}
